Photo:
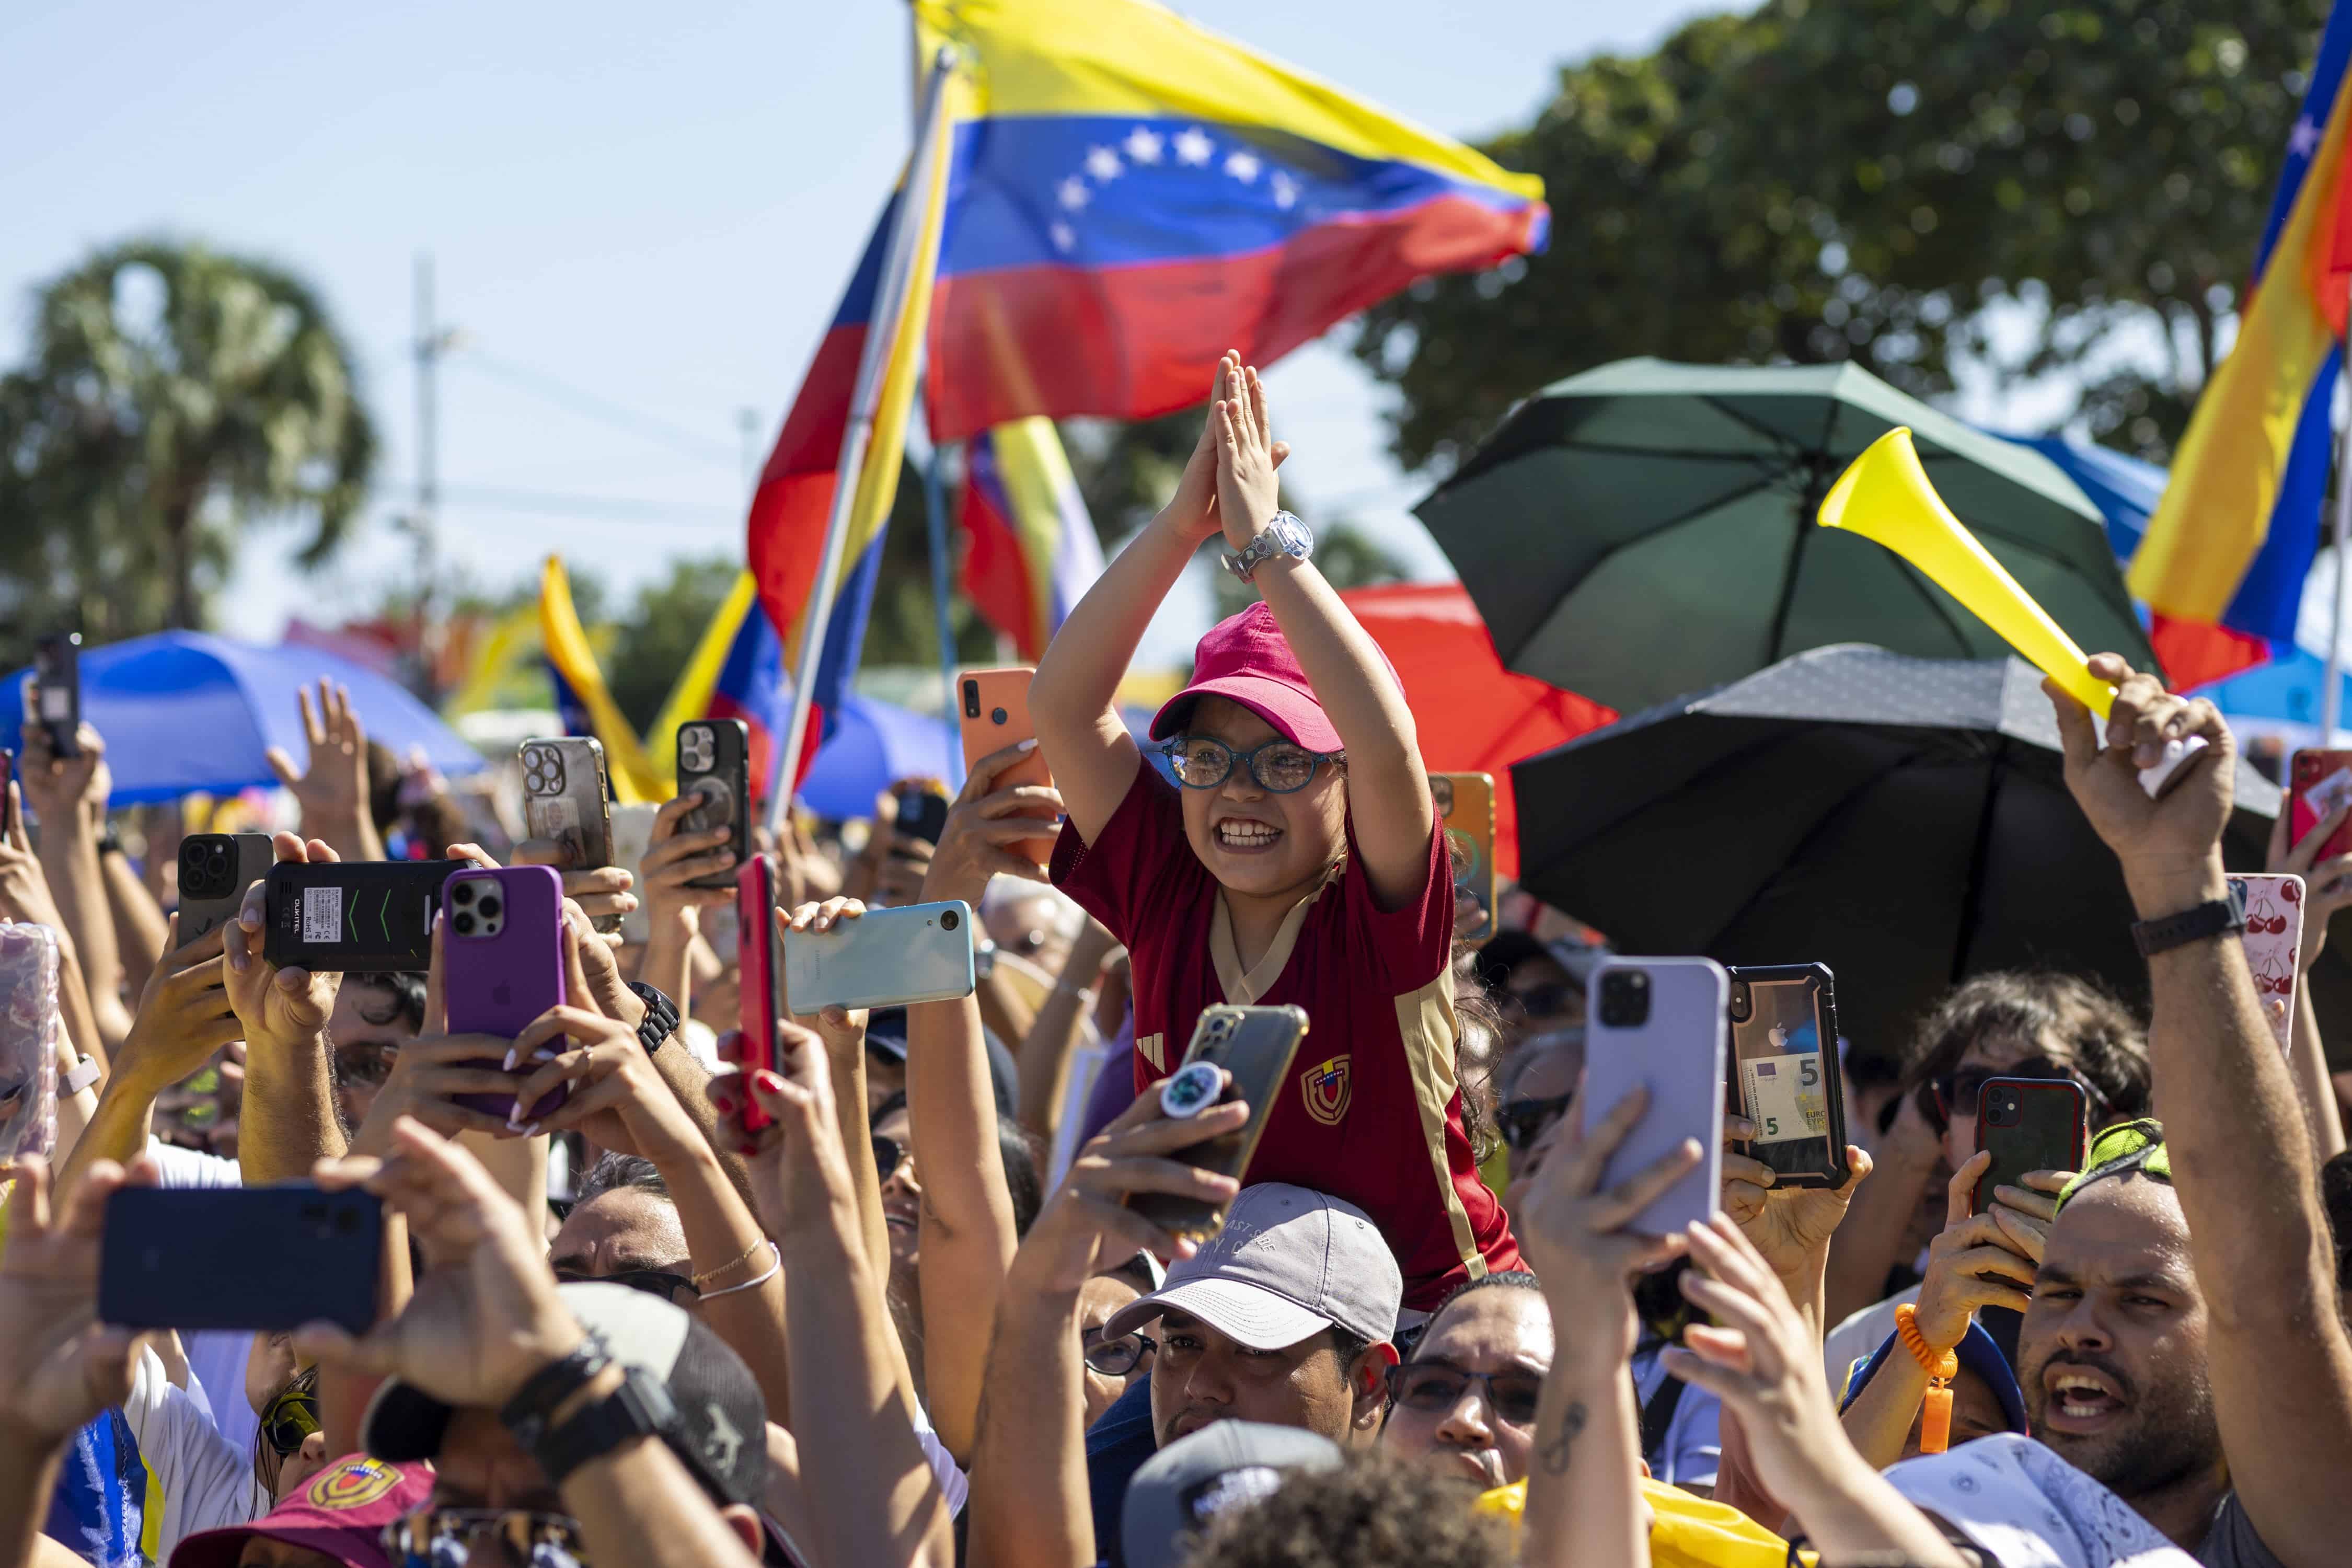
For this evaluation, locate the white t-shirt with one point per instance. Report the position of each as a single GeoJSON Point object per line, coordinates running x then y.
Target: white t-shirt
{"type": "Point", "coordinates": [954, 1484]}
{"type": "Point", "coordinates": [217, 1357]}
{"type": "Point", "coordinates": [207, 1482]}
{"type": "Point", "coordinates": [1859, 1336]}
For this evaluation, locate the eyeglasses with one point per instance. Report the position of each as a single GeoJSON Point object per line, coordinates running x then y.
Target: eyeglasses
{"type": "Point", "coordinates": [457, 1537]}
{"type": "Point", "coordinates": [1522, 1121]}
{"type": "Point", "coordinates": [364, 1061]}
{"type": "Point", "coordinates": [658, 1282]}
{"type": "Point", "coordinates": [888, 1156]}
{"type": "Point", "coordinates": [1280, 767]}
{"type": "Point", "coordinates": [1117, 1358]}
{"type": "Point", "coordinates": [1952, 1095]}
{"type": "Point", "coordinates": [1431, 1387]}
{"type": "Point", "coordinates": [293, 1415]}
{"type": "Point", "coordinates": [1539, 1001]}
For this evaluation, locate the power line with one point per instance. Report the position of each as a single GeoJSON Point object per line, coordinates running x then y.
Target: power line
{"type": "Point", "coordinates": [589, 406]}
{"type": "Point", "coordinates": [492, 498]}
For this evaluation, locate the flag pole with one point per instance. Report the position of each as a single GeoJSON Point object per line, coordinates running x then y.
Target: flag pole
{"type": "Point", "coordinates": [2331, 700]}
{"type": "Point", "coordinates": [935, 507]}
{"type": "Point", "coordinates": [897, 275]}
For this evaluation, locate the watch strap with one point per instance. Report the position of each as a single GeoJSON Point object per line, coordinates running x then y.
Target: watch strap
{"type": "Point", "coordinates": [2212, 917]}
{"type": "Point", "coordinates": [640, 1408]}
{"type": "Point", "coordinates": [85, 1073]}
{"type": "Point", "coordinates": [660, 1021]}
{"type": "Point", "coordinates": [525, 1414]}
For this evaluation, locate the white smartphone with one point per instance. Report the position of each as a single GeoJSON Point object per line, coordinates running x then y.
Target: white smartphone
{"type": "Point", "coordinates": [1661, 1023]}
{"type": "Point", "coordinates": [2274, 932]}
{"type": "Point", "coordinates": [633, 835]}
{"type": "Point", "coordinates": [883, 958]}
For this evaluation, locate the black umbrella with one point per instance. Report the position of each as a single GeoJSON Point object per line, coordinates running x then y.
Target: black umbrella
{"type": "Point", "coordinates": [1902, 820]}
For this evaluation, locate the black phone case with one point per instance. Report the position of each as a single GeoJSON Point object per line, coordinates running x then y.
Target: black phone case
{"type": "Point", "coordinates": [1834, 1171]}
{"type": "Point", "coordinates": [380, 913]}
{"type": "Point", "coordinates": [56, 667]}
{"type": "Point", "coordinates": [923, 814]}
{"type": "Point", "coordinates": [727, 764]}
{"type": "Point", "coordinates": [240, 1258]}
{"type": "Point", "coordinates": [1256, 1045]}
{"type": "Point", "coordinates": [2051, 1134]}
{"type": "Point", "coordinates": [215, 869]}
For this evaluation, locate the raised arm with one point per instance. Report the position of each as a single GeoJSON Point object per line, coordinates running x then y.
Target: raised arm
{"type": "Point", "coordinates": [1052, 1042]}
{"type": "Point", "coordinates": [2280, 1359]}
{"type": "Point", "coordinates": [1093, 757]}
{"type": "Point", "coordinates": [1029, 1498]}
{"type": "Point", "coordinates": [2326, 888]}
{"type": "Point", "coordinates": [70, 796]}
{"type": "Point", "coordinates": [331, 787]}
{"type": "Point", "coordinates": [1387, 788]}
{"type": "Point", "coordinates": [289, 1121]}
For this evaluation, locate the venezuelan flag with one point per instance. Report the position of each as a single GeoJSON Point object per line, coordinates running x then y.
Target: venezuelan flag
{"type": "Point", "coordinates": [581, 695]}
{"type": "Point", "coordinates": [1032, 550]}
{"type": "Point", "coordinates": [2234, 535]}
{"type": "Point", "coordinates": [1133, 195]}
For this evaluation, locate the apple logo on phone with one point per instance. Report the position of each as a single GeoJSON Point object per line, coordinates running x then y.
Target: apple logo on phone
{"type": "Point", "coordinates": [502, 994]}
{"type": "Point", "coordinates": [1779, 1035]}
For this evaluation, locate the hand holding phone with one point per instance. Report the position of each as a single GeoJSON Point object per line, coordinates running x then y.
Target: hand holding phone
{"type": "Point", "coordinates": [53, 698]}
{"type": "Point", "coordinates": [1784, 1078]}
{"type": "Point", "coordinates": [2028, 1124]}
{"type": "Point", "coordinates": [1236, 1054]}
{"type": "Point", "coordinates": [502, 966]}
{"type": "Point", "coordinates": [240, 1258]}
{"type": "Point", "coordinates": [215, 870]}
{"type": "Point", "coordinates": [993, 712]}
{"type": "Point", "coordinates": [842, 954]}
{"type": "Point", "coordinates": [759, 994]}
{"type": "Point", "coordinates": [714, 759]}
{"type": "Point", "coordinates": [1661, 1027]}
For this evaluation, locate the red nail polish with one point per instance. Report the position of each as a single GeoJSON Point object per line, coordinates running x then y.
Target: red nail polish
{"type": "Point", "coordinates": [768, 1081]}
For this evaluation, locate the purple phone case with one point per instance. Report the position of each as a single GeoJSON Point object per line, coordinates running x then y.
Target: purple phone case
{"type": "Point", "coordinates": [498, 985]}
{"type": "Point", "coordinates": [1678, 1054]}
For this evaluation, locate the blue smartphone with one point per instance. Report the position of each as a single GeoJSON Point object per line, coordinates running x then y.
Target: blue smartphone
{"type": "Point", "coordinates": [883, 958]}
{"type": "Point", "coordinates": [1661, 1023]}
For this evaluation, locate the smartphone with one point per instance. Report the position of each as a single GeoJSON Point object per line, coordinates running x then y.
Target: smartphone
{"type": "Point", "coordinates": [633, 835]}
{"type": "Point", "coordinates": [1465, 810]}
{"type": "Point", "coordinates": [1784, 1071]}
{"type": "Point", "coordinates": [360, 914]}
{"type": "Point", "coordinates": [2273, 933]}
{"type": "Point", "coordinates": [1255, 1045]}
{"type": "Point", "coordinates": [714, 756]}
{"type": "Point", "coordinates": [922, 813]}
{"type": "Point", "coordinates": [2029, 1124]}
{"type": "Point", "coordinates": [883, 958]}
{"type": "Point", "coordinates": [215, 869]}
{"type": "Point", "coordinates": [56, 670]}
{"type": "Point", "coordinates": [567, 800]}
{"type": "Point", "coordinates": [502, 962]}
{"type": "Point", "coordinates": [993, 712]}
{"type": "Point", "coordinates": [240, 1258]}
{"type": "Point", "coordinates": [2318, 782]}
{"type": "Point", "coordinates": [758, 998]}
{"type": "Point", "coordinates": [1660, 1023]}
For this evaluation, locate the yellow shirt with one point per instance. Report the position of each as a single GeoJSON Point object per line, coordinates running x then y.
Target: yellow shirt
{"type": "Point", "coordinates": [1685, 1532]}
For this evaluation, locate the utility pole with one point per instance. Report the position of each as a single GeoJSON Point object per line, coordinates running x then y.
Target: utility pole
{"type": "Point", "coordinates": [747, 421]}
{"type": "Point", "coordinates": [432, 341]}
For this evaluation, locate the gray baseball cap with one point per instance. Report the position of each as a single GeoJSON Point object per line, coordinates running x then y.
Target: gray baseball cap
{"type": "Point", "coordinates": [1226, 1464]}
{"type": "Point", "coordinates": [1289, 1263]}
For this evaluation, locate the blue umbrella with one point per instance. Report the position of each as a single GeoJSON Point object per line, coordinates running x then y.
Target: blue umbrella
{"type": "Point", "coordinates": [875, 745]}
{"type": "Point", "coordinates": [2125, 488]}
{"type": "Point", "coordinates": [184, 711]}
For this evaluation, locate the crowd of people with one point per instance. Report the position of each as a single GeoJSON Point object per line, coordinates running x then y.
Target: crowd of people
{"type": "Point", "coordinates": [888, 1298]}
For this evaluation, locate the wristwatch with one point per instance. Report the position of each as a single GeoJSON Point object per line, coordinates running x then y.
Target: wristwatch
{"type": "Point", "coordinates": [525, 1414]}
{"type": "Point", "coordinates": [2212, 917]}
{"type": "Point", "coordinates": [85, 1073]}
{"type": "Point", "coordinates": [983, 958]}
{"type": "Point", "coordinates": [640, 1408]}
{"type": "Point", "coordinates": [660, 1021]}
{"type": "Point", "coordinates": [1284, 535]}
{"type": "Point", "coordinates": [110, 841]}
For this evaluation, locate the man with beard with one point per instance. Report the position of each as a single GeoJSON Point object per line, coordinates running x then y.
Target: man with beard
{"type": "Point", "coordinates": [2183, 1349]}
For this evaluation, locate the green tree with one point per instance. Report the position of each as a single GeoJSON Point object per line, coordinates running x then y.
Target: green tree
{"type": "Point", "coordinates": [655, 640]}
{"type": "Point", "coordinates": [2033, 188]}
{"type": "Point", "coordinates": [173, 396]}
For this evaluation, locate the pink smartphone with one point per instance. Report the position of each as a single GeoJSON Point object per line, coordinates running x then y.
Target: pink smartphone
{"type": "Point", "coordinates": [502, 961]}
{"type": "Point", "coordinates": [2273, 933]}
{"type": "Point", "coordinates": [759, 953]}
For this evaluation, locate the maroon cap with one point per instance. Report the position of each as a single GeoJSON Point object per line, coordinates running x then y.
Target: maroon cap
{"type": "Point", "coordinates": [1246, 658]}
{"type": "Point", "coordinates": [341, 1512]}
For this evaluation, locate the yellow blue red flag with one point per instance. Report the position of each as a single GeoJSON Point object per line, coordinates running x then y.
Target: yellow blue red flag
{"type": "Point", "coordinates": [1132, 194]}
{"type": "Point", "coordinates": [1031, 549]}
{"type": "Point", "coordinates": [2234, 535]}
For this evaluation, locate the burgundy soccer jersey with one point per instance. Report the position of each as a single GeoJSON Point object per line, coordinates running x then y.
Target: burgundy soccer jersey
{"type": "Point", "coordinates": [1371, 1112]}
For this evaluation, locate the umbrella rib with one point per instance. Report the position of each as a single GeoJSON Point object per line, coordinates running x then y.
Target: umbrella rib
{"type": "Point", "coordinates": [1789, 447]}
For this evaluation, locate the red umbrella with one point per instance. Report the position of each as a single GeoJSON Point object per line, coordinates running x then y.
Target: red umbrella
{"type": "Point", "coordinates": [1474, 716]}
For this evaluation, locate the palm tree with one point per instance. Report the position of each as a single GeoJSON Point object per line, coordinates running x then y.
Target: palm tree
{"type": "Point", "coordinates": [171, 395]}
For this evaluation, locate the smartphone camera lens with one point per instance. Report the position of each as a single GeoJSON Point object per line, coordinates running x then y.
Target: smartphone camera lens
{"type": "Point", "coordinates": [971, 698]}
{"type": "Point", "coordinates": [950, 920]}
{"type": "Point", "coordinates": [347, 1222]}
{"type": "Point", "coordinates": [1625, 999]}
{"type": "Point", "coordinates": [996, 716]}
{"type": "Point", "coordinates": [463, 925]}
{"type": "Point", "coordinates": [2006, 1109]}
{"type": "Point", "coordinates": [1743, 1006]}
{"type": "Point", "coordinates": [463, 893]}
{"type": "Point", "coordinates": [488, 905]}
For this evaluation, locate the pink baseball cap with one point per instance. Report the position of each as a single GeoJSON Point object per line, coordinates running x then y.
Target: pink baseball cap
{"type": "Point", "coordinates": [341, 1512]}
{"type": "Point", "coordinates": [1246, 658]}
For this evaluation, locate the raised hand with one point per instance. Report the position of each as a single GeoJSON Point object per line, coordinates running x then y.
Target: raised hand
{"type": "Point", "coordinates": [58, 1366]}
{"type": "Point", "coordinates": [61, 789]}
{"type": "Point", "coordinates": [1784, 1224]}
{"type": "Point", "coordinates": [23, 889]}
{"type": "Point", "coordinates": [2326, 884]}
{"type": "Point", "coordinates": [185, 1014]}
{"type": "Point", "coordinates": [2169, 846]}
{"type": "Point", "coordinates": [618, 1100]}
{"type": "Point", "coordinates": [1247, 491]}
{"type": "Point", "coordinates": [332, 788]}
{"type": "Point", "coordinates": [674, 858]}
{"type": "Point", "coordinates": [1195, 508]}
{"type": "Point", "coordinates": [1982, 1261]}
{"type": "Point", "coordinates": [288, 1005]}
{"type": "Point", "coordinates": [486, 1315]}
{"type": "Point", "coordinates": [985, 828]}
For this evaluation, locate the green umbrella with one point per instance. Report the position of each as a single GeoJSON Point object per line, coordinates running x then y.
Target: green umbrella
{"type": "Point", "coordinates": [1646, 529]}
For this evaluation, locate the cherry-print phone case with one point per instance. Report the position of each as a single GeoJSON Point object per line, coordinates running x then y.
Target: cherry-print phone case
{"type": "Point", "coordinates": [2274, 932]}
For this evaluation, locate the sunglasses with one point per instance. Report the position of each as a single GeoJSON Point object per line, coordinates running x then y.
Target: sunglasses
{"type": "Point", "coordinates": [1432, 1386]}
{"type": "Point", "coordinates": [455, 1537]}
{"type": "Point", "coordinates": [1522, 1121]}
{"type": "Point", "coordinates": [675, 1288]}
{"type": "Point", "coordinates": [1117, 1358]}
{"type": "Point", "coordinates": [1951, 1097]}
{"type": "Point", "coordinates": [1280, 767]}
{"type": "Point", "coordinates": [293, 1415]}
{"type": "Point", "coordinates": [888, 1156]}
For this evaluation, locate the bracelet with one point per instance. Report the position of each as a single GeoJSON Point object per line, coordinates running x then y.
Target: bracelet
{"type": "Point", "coordinates": [775, 1267]}
{"type": "Point", "coordinates": [85, 1073]}
{"type": "Point", "coordinates": [1941, 1366]}
{"type": "Point", "coordinates": [743, 1257]}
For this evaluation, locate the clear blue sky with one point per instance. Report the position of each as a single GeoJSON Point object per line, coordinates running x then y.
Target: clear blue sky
{"type": "Point", "coordinates": [654, 208]}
